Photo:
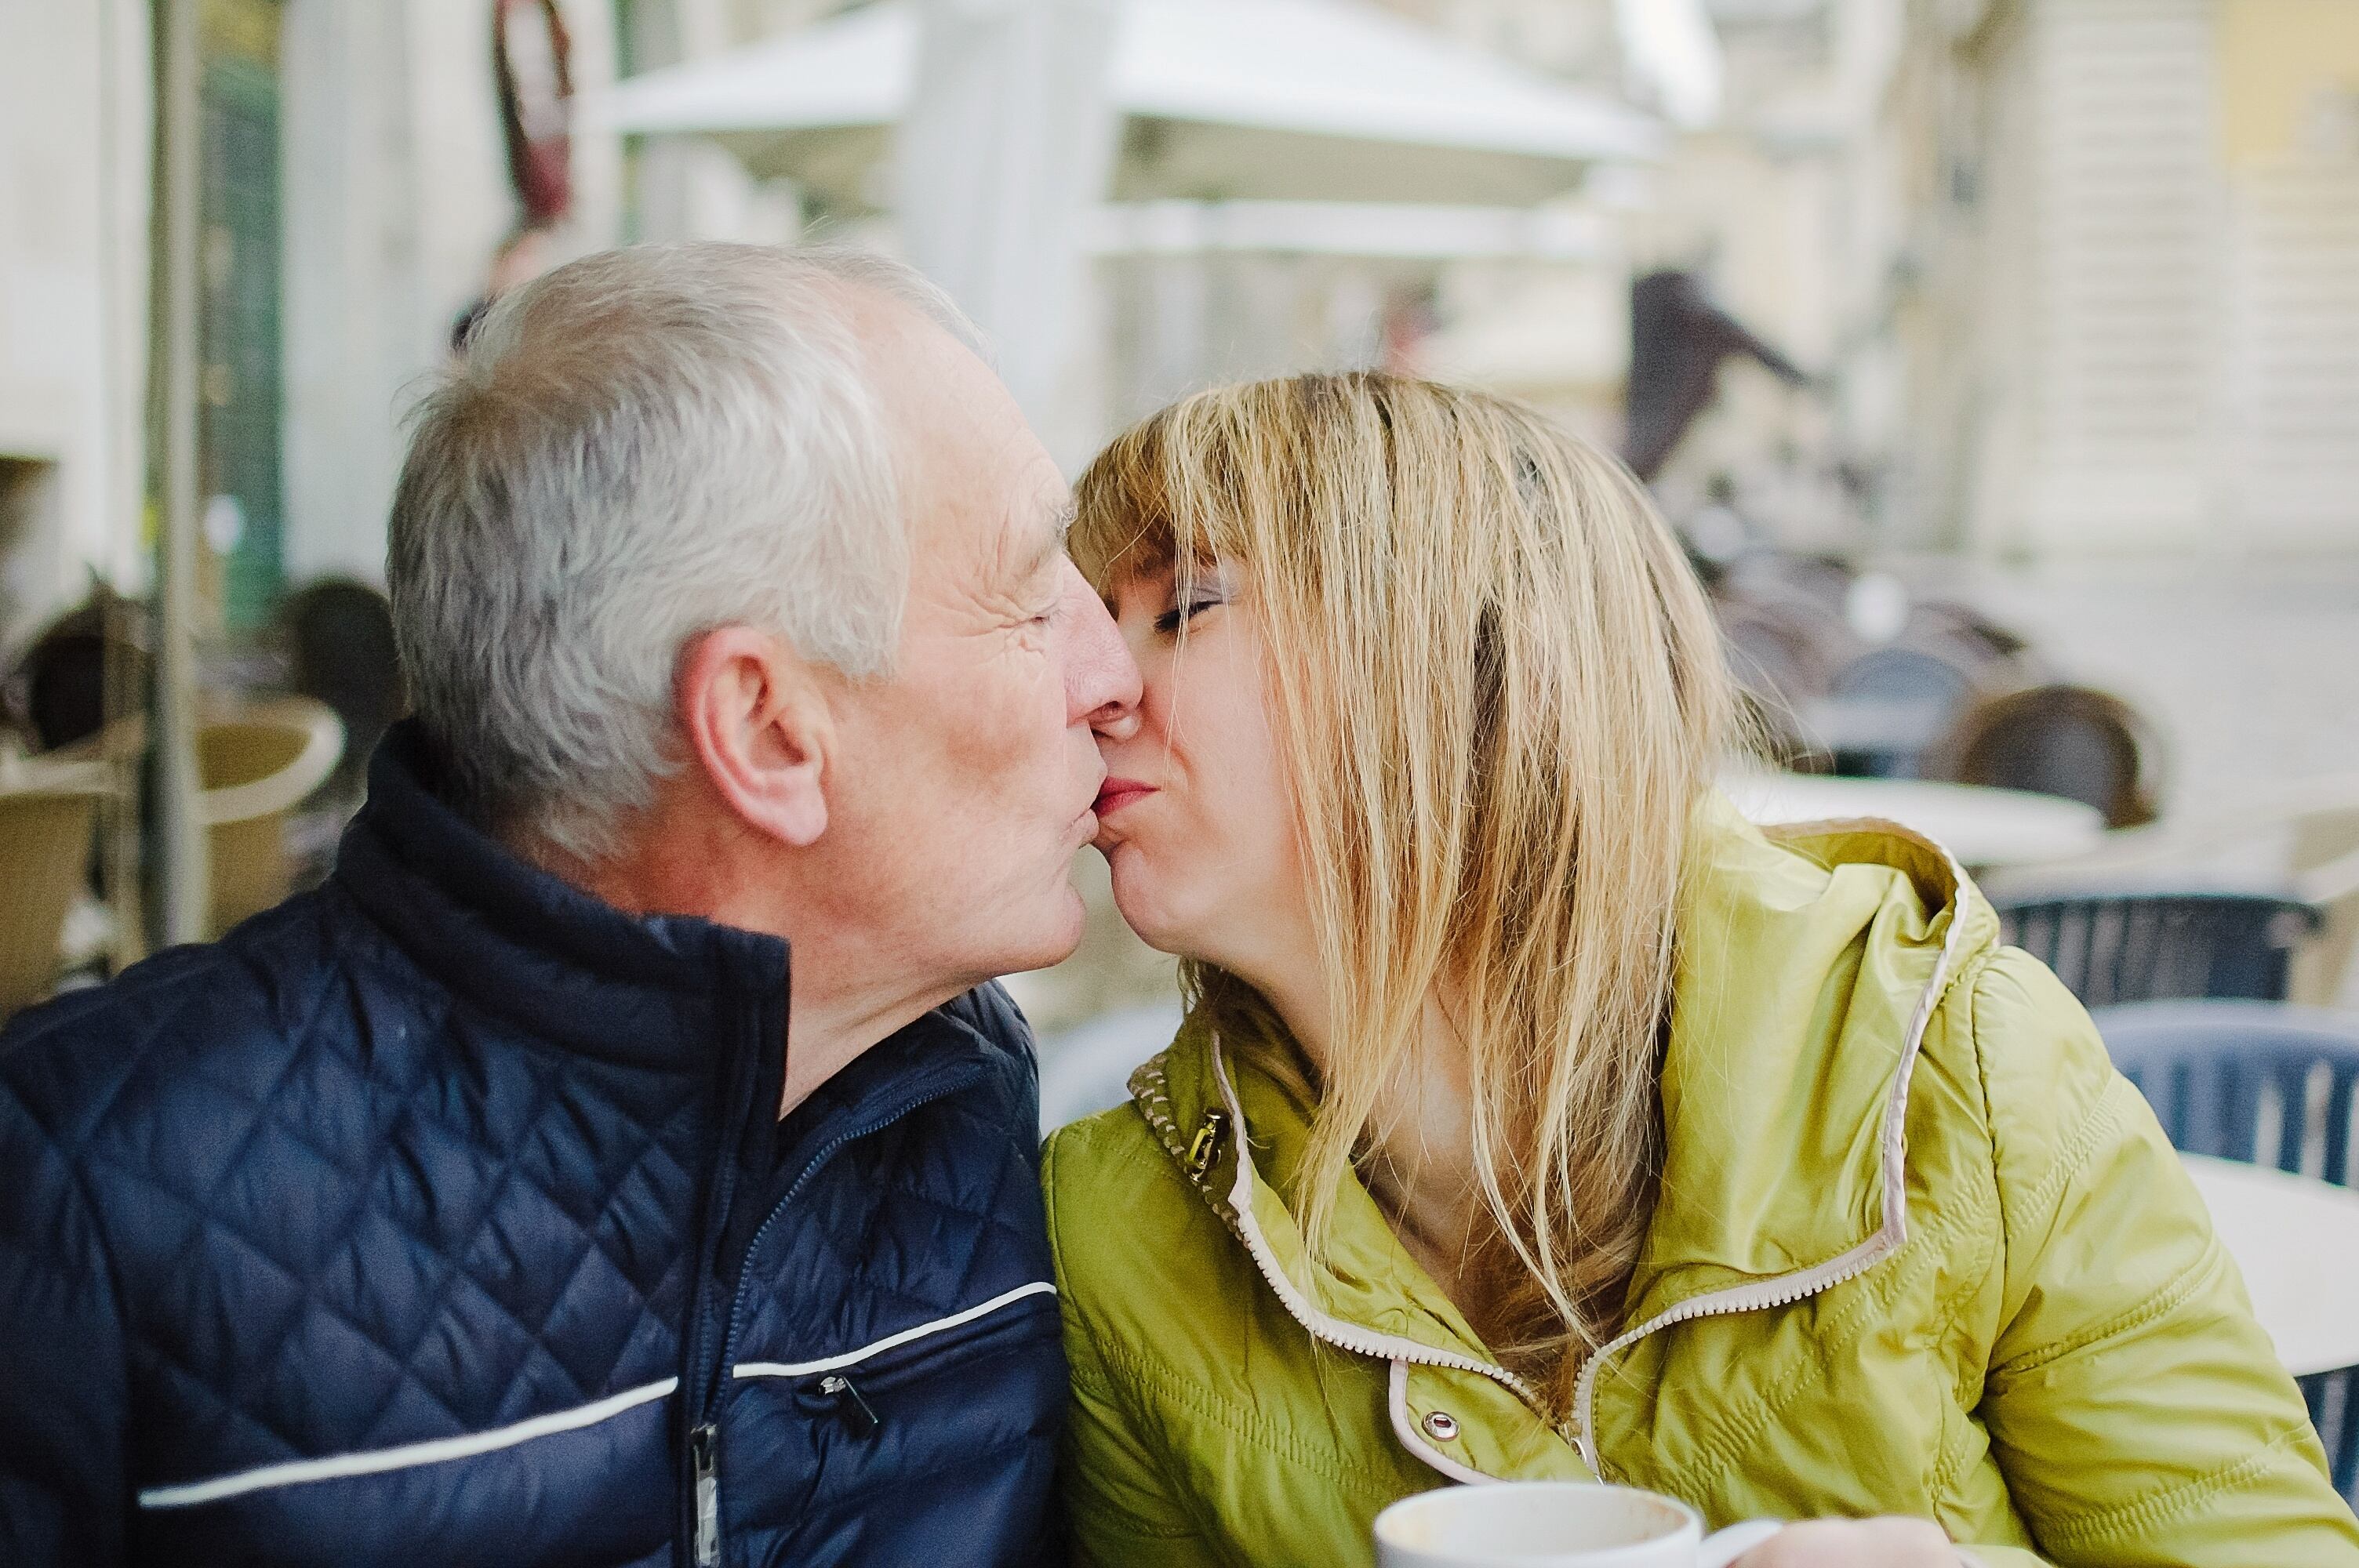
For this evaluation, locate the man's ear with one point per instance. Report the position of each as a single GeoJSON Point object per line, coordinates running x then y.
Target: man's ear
{"type": "Point", "coordinates": [758, 726]}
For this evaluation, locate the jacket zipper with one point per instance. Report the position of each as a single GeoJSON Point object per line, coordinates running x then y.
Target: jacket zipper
{"type": "Point", "coordinates": [834, 1145]}
{"type": "Point", "coordinates": [840, 1389]}
{"type": "Point", "coordinates": [1334, 1332]}
{"type": "Point", "coordinates": [704, 1440]}
{"type": "Point", "coordinates": [1783, 1291]}
{"type": "Point", "coordinates": [704, 1434]}
{"type": "Point", "coordinates": [1777, 1293]}
{"type": "Point", "coordinates": [700, 1445]}
{"type": "Point", "coordinates": [1201, 1149]}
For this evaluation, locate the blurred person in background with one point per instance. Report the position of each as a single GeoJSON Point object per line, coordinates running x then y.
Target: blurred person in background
{"type": "Point", "coordinates": [1537, 1117]}
{"type": "Point", "coordinates": [622, 1158]}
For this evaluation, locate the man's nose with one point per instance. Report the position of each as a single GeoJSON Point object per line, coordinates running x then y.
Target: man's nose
{"type": "Point", "coordinates": [1102, 680]}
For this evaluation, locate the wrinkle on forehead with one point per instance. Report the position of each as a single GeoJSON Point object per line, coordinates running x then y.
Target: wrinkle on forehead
{"type": "Point", "coordinates": [981, 493]}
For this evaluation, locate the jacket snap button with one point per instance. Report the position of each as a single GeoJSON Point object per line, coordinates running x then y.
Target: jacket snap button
{"type": "Point", "coordinates": [1440, 1425]}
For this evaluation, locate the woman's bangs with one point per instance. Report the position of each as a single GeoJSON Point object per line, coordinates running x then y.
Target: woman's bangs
{"type": "Point", "coordinates": [1120, 526]}
{"type": "Point", "coordinates": [1135, 517]}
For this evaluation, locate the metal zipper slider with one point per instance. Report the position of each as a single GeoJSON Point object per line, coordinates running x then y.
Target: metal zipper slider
{"type": "Point", "coordinates": [863, 1419]}
{"type": "Point", "coordinates": [702, 1444]}
{"type": "Point", "coordinates": [1205, 1147]}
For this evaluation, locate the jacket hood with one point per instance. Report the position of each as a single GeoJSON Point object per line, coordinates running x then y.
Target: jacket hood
{"type": "Point", "coordinates": [1810, 962]}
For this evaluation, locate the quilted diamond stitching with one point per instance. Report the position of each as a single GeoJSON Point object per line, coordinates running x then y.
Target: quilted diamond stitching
{"type": "Point", "coordinates": [210, 1218]}
{"type": "Point", "coordinates": [594, 1298]}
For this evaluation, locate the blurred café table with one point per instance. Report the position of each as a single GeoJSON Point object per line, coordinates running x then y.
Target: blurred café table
{"type": "Point", "coordinates": [1982, 827]}
{"type": "Point", "coordinates": [2295, 1241]}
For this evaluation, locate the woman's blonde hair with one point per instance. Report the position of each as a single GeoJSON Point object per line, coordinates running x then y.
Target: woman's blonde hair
{"type": "Point", "coordinates": [1501, 693]}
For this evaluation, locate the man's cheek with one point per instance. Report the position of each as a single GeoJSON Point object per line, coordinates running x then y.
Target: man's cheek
{"type": "Point", "coordinates": [1004, 729]}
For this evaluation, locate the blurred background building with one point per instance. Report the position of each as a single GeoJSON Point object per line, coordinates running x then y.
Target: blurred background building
{"type": "Point", "coordinates": [2069, 278]}
{"type": "Point", "coordinates": [2039, 314]}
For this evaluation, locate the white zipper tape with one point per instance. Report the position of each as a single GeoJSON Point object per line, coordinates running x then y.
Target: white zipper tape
{"type": "Point", "coordinates": [1347, 1336]}
{"type": "Point", "coordinates": [1889, 1237]}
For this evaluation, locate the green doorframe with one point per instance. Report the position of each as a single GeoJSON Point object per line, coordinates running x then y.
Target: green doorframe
{"type": "Point", "coordinates": [241, 397]}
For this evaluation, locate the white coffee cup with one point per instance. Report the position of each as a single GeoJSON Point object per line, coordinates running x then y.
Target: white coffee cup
{"type": "Point", "coordinates": [1555, 1524]}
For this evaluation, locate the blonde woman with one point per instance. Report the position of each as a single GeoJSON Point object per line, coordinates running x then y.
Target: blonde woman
{"type": "Point", "coordinates": [1534, 1116]}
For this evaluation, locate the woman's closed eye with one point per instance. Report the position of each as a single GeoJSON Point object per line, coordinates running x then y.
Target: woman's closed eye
{"type": "Point", "coordinates": [1168, 623]}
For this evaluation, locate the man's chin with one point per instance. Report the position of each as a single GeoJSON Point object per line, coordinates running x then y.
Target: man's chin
{"type": "Point", "coordinates": [1061, 928]}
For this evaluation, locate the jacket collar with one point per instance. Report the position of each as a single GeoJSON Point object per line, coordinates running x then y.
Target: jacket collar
{"type": "Point", "coordinates": [1810, 966]}
{"type": "Point", "coordinates": [531, 948]}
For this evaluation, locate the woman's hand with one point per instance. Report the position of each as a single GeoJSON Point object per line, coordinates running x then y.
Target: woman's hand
{"type": "Point", "coordinates": [1855, 1543]}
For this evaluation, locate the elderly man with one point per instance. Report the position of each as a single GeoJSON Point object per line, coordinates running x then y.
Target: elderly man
{"type": "Point", "coordinates": [623, 1159]}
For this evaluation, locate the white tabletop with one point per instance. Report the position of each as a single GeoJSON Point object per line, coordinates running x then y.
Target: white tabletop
{"type": "Point", "coordinates": [2297, 1243]}
{"type": "Point", "coordinates": [1981, 827]}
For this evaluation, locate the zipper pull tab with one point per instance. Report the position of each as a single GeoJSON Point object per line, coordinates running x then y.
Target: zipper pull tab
{"type": "Point", "coordinates": [1205, 1147]}
{"type": "Point", "coordinates": [701, 1445]}
{"type": "Point", "coordinates": [856, 1411]}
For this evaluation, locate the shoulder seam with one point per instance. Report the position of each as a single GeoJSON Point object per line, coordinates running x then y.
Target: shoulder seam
{"type": "Point", "coordinates": [2102, 1117]}
{"type": "Point", "coordinates": [2160, 1506]}
{"type": "Point", "coordinates": [2164, 1302]}
{"type": "Point", "coordinates": [2105, 1116]}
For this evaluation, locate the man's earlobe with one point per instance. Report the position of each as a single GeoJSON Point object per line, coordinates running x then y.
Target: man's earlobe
{"type": "Point", "coordinates": [759, 729]}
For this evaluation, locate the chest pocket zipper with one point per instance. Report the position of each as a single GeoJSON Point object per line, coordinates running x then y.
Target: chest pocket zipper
{"type": "Point", "coordinates": [857, 1412]}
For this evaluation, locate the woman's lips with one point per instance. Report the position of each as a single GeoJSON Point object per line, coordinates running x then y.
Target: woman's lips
{"type": "Point", "coordinates": [1115, 793]}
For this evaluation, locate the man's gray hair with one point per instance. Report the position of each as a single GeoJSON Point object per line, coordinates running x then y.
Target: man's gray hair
{"type": "Point", "coordinates": [644, 444]}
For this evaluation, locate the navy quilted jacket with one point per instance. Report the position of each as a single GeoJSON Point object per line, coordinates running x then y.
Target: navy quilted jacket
{"type": "Point", "coordinates": [442, 1216]}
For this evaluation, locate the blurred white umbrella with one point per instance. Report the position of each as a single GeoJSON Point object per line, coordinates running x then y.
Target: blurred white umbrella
{"type": "Point", "coordinates": [1003, 151]}
{"type": "Point", "coordinates": [1017, 117]}
{"type": "Point", "coordinates": [1671, 44]}
{"type": "Point", "coordinates": [1283, 99]}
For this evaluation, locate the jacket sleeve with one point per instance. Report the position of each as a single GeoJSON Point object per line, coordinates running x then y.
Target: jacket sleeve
{"type": "Point", "coordinates": [63, 1482]}
{"type": "Point", "coordinates": [2138, 1413]}
{"type": "Point", "coordinates": [1120, 1512]}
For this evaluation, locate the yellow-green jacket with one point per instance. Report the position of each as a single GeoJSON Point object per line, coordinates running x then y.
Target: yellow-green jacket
{"type": "Point", "coordinates": [1918, 1250]}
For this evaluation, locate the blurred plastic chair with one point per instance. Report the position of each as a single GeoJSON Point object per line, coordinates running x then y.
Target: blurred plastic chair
{"type": "Point", "coordinates": [2264, 1083]}
{"type": "Point", "coordinates": [2268, 1084]}
{"type": "Point", "coordinates": [340, 651]}
{"type": "Point", "coordinates": [45, 842]}
{"type": "Point", "coordinates": [2149, 946]}
{"type": "Point", "coordinates": [1887, 707]}
{"type": "Point", "coordinates": [2297, 840]}
{"type": "Point", "coordinates": [1803, 640]}
{"type": "Point", "coordinates": [1965, 634]}
{"type": "Point", "coordinates": [58, 691]}
{"type": "Point", "coordinates": [1782, 653]}
{"type": "Point", "coordinates": [2069, 741]}
{"type": "Point", "coordinates": [1822, 581]}
{"type": "Point", "coordinates": [256, 765]}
